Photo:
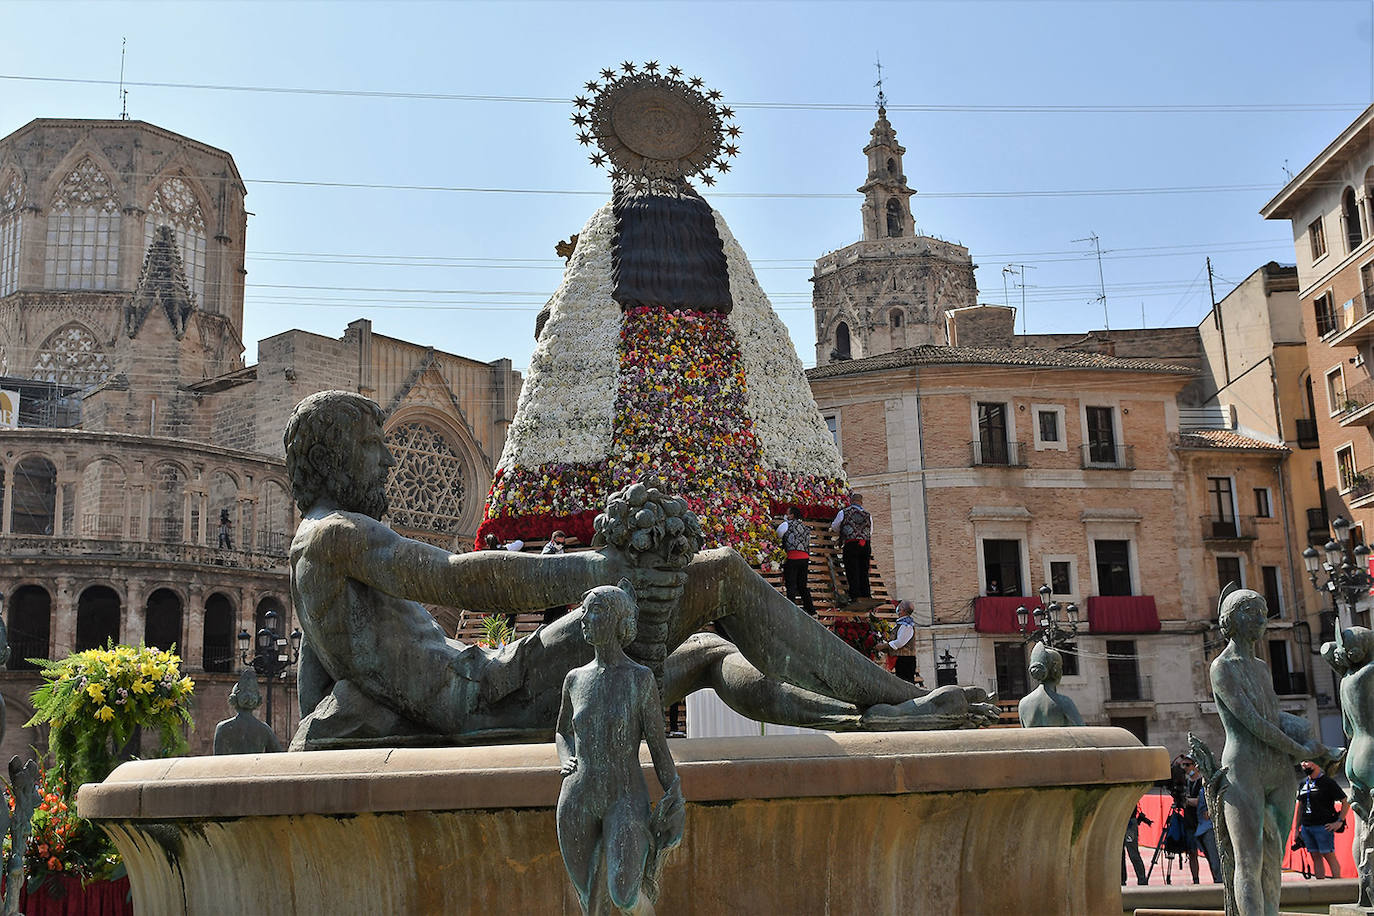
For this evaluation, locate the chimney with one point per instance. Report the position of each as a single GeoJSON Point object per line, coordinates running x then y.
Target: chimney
{"type": "Point", "coordinates": [981, 326]}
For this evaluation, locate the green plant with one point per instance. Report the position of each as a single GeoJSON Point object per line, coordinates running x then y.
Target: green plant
{"type": "Point", "coordinates": [497, 630]}
{"type": "Point", "coordinates": [63, 843]}
{"type": "Point", "coordinates": [97, 700]}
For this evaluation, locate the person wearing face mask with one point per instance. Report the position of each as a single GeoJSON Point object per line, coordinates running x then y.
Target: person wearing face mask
{"type": "Point", "coordinates": [1318, 799]}
{"type": "Point", "coordinates": [1192, 802]}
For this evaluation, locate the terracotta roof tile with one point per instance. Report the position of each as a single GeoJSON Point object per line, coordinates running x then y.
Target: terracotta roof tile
{"type": "Point", "coordinates": [931, 355]}
{"type": "Point", "coordinates": [1225, 439]}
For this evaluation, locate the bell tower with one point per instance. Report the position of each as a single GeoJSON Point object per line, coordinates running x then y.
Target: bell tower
{"type": "Point", "coordinates": [890, 289]}
{"type": "Point", "coordinates": [887, 199]}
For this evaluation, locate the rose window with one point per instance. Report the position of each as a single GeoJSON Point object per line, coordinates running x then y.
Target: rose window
{"type": "Point", "coordinates": [425, 489]}
{"type": "Point", "coordinates": [71, 356]}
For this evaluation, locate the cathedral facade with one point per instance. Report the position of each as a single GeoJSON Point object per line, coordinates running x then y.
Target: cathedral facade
{"type": "Point", "coordinates": [891, 289]}
{"type": "Point", "coordinates": [145, 496]}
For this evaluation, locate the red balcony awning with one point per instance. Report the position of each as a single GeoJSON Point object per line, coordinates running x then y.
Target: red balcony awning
{"type": "Point", "coordinates": [1122, 614]}
{"type": "Point", "coordinates": [998, 614]}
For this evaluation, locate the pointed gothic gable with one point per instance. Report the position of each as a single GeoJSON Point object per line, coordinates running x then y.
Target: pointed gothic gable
{"type": "Point", "coordinates": [162, 283]}
{"type": "Point", "coordinates": [427, 387]}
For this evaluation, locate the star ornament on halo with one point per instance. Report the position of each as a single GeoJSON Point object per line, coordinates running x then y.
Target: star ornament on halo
{"type": "Point", "coordinates": [655, 128]}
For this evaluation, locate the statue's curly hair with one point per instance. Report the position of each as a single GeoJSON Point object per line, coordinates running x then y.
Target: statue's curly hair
{"type": "Point", "coordinates": [319, 444]}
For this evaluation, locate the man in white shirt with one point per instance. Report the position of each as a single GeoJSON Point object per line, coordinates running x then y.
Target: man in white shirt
{"type": "Point", "coordinates": [903, 642]}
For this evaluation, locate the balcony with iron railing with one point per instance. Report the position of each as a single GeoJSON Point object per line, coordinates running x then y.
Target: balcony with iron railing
{"type": "Point", "coordinates": [1127, 687]}
{"type": "Point", "coordinates": [1350, 323]}
{"type": "Point", "coordinates": [1357, 485]}
{"type": "Point", "coordinates": [996, 453]}
{"type": "Point", "coordinates": [1355, 404]}
{"type": "Point", "coordinates": [1107, 455]}
{"type": "Point", "coordinates": [1306, 432]}
{"type": "Point", "coordinates": [1289, 683]}
{"type": "Point", "coordinates": [1235, 528]}
{"type": "Point", "coordinates": [1318, 527]}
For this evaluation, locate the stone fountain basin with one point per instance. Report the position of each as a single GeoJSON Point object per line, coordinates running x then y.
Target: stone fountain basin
{"type": "Point", "coordinates": [991, 821]}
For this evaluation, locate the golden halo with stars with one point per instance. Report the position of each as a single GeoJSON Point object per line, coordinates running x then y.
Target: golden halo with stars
{"type": "Point", "coordinates": [653, 125]}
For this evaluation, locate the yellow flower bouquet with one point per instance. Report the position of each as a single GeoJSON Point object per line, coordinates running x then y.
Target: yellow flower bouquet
{"type": "Point", "coordinates": [97, 700]}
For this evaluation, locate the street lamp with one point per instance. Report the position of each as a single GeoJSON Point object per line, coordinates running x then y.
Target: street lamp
{"type": "Point", "coordinates": [946, 670]}
{"type": "Point", "coordinates": [1344, 575]}
{"type": "Point", "coordinates": [271, 659]}
{"type": "Point", "coordinates": [1055, 624]}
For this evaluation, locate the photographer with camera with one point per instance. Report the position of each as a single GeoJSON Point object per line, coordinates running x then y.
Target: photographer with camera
{"type": "Point", "coordinates": [1197, 823]}
{"type": "Point", "coordinates": [1319, 822]}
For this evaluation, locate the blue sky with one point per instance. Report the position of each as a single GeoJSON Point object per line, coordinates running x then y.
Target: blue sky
{"type": "Point", "coordinates": [482, 263]}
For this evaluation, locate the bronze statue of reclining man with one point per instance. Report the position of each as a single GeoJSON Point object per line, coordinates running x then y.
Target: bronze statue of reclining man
{"type": "Point", "coordinates": [376, 668]}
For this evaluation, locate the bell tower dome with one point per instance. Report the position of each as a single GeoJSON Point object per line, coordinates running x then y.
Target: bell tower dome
{"type": "Point", "coordinates": [887, 199]}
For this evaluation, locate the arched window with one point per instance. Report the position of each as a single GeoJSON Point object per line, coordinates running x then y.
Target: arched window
{"type": "Point", "coordinates": [175, 205]}
{"type": "Point", "coordinates": [218, 651]}
{"type": "Point", "coordinates": [97, 618]}
{"type": "Point", "coordinates": [224, 512]}
{"type": "Point", "coordinates": [103, 492]}
{"type": "Point", "coordinates": [11, 196]}
{"type": "Point", "coordinates": [1351, 211]}
{"type": "Point", "coordinates": [895, 318]}
{"type": "Point", "coordinates": [168, 508]}
{"type": "Point", "coordinates": [842, 341]}
{"type": "Point", "coordinates": [275, 520]}
{"type": "Point", "coordinates": [34, 500]}
{"type": "Point", "coordinates": [162, 623]}
{"type": "Point", "coordinates": [71, 356]}
{"type": "Point", "coordinates": [894, 218]}
{"type": "Point", "coordinates": [427, 486]}
{"type": "Point", "coordinates": [892, 166]}
{"type": "Point", "coordinates": [83, 232]}
{"type": "Point", "coordinates": [29, 625]}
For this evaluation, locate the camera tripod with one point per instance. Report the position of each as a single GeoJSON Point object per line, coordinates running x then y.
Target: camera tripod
{"type": "Point", "coordinates": [1170, 849]}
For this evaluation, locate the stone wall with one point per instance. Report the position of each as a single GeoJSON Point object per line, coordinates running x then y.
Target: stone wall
{"type": "Point", "coordinates": [867, 283]}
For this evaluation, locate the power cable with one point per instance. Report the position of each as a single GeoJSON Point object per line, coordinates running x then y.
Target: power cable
{"type": "Point", "coordinates": [1003, 108]}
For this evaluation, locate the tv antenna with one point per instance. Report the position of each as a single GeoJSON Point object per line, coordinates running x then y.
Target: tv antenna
{"type": "Point", "coordinates": [1288, 173]}
{"type": "Point", "coordinates": [882, 97]}
{"type": "Point", "coordinates": [1101, 286]}
{"type": "Point", "coordinates": [1019, 272]}
{"type": "Point", "coordinates": [123, 93]}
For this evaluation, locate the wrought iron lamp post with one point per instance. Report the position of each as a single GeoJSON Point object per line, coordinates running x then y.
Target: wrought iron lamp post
{"type": "Point", "coordinates": [272, 657]}
{"type": "Point", "coordinates": [1344, 575]}
{"type": "Point", "coordinates": [1055, 624]}
{"type": "Point", "coordinates": [946, 670]}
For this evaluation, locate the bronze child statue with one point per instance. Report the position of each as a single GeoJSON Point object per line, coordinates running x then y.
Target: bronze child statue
{"type": "Point", "coordinates": [244, 733]}
{"type": "Point", "coordinates": [1045, 706]}
{"type": "Point", "coordinates": [1352, 657]}
{"type": "Point", "coordinates": [612, 846]}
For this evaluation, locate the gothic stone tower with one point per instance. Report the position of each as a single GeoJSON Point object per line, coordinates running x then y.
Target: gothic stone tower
{"type": "Point", "coordinates": [891, 289]}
